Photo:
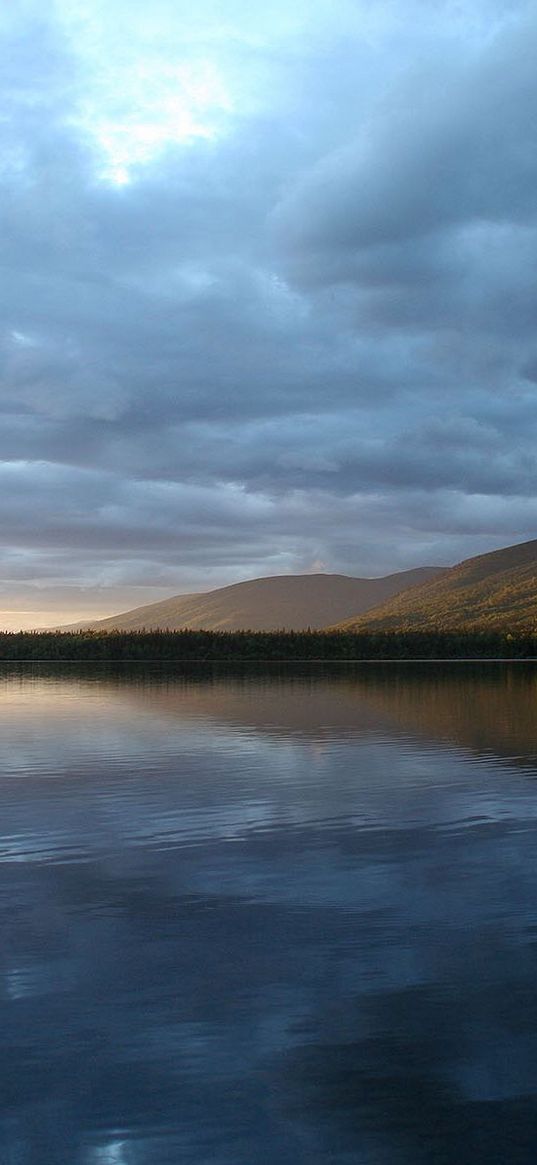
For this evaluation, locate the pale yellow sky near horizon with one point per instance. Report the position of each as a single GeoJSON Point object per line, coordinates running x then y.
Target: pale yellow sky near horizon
{"type": "Point", "coordinates": [45, 620]}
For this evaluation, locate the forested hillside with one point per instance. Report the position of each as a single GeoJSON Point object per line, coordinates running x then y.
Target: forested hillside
{"type": "Point", "coordinates": [496, 592]}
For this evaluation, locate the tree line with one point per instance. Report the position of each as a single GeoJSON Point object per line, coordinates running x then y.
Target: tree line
{"type": "Point", "coordinates": [277, 646]}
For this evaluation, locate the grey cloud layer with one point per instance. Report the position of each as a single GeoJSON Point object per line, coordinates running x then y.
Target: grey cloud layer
{"type": "Point", "coordinates": [312, 337]}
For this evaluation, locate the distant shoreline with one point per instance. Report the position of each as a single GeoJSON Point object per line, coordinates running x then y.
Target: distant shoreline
{"type": "Point", "coordinates": [265, 660]}
{"type": "Point", "coordinates": [268, 647]}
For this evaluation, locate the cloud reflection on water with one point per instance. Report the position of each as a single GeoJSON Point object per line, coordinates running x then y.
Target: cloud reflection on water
{"type": "Point", "coordinates": [257, 918]}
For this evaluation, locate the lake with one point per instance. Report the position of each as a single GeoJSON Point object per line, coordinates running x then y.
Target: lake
{"type": "Point", "coordinates": [260, 916]}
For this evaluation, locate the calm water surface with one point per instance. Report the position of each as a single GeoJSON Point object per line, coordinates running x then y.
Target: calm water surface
{"type": "Point", "coordinates": [268, 917]}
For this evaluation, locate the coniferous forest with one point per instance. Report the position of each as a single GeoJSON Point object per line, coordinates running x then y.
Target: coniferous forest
{"type": "Point", "coordinates": [278, 646]}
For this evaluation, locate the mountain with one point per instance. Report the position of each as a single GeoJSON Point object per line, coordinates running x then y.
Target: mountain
{"type": "Point", "coordinates": [496, 591]}
{"type": "Point", "coordinates": [293, 601]}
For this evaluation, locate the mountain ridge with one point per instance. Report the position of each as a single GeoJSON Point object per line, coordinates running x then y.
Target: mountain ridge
{"type": "Point", "coordinates": [494, 591]}
{"type": "Point", "coordinates": [276, 602]}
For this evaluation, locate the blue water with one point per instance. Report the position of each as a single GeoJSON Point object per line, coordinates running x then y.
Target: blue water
{"type": "Point", "coordinates": [258, 917]}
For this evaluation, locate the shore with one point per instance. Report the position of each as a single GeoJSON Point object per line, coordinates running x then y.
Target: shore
{"type": "Point", "coordinates": [266, 646]}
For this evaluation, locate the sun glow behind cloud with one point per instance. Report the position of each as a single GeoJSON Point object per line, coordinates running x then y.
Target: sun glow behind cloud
{"type": "Point", "coordinates": [146, 83]}
{"type": "Point", "coordinates": [134, 117]}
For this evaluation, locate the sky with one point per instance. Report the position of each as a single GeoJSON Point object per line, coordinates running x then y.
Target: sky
{"type": "Point", "coordinates": [268, 300]}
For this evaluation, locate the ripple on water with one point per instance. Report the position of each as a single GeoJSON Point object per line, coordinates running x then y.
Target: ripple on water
{"type": "Point", "coordinates": [267, 918]}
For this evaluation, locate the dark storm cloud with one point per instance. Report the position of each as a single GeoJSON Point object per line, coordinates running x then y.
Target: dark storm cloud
{"type": "Point", "coordinates": [307, 335]}
{"type": "Point", "coordinates": [453, 143]}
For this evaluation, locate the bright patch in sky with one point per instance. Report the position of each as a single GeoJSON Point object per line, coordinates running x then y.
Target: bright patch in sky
{"type": "Point", "coordinates": [22, 340]}
{"type": "Point", "coordinates": [135, 116]}
{"type": "Point", "coordinates": [145, 81]}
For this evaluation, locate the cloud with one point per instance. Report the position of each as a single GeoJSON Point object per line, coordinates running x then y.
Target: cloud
{"type": "Point", "coordinates": [451, 143]}
{"type": "Point", "coordinates": [305, 332]}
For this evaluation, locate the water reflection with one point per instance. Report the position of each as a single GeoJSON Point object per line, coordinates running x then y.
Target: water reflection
{"type": "Point", "coordinates": [268, 916]}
